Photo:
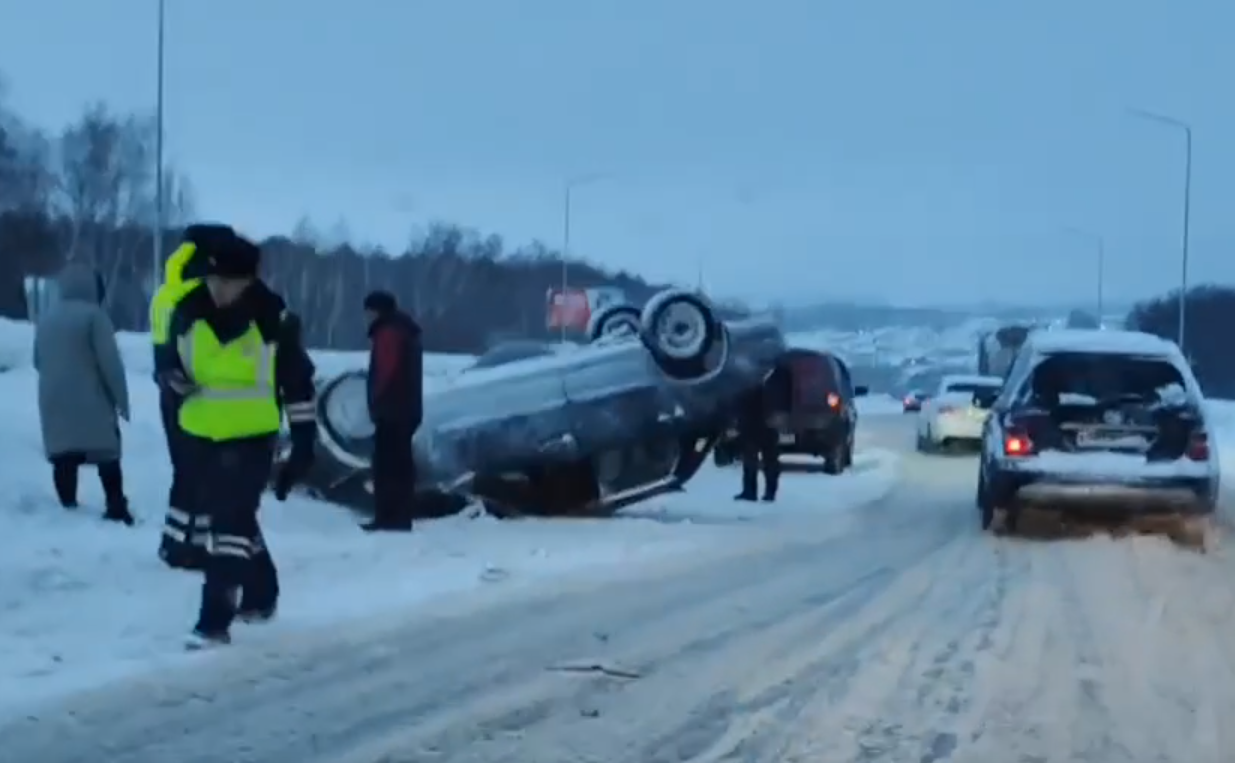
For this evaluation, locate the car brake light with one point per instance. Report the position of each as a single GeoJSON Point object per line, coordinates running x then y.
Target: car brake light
{"type": "Point", "coordinates": [833, 400]}
{"type": "Point", "coordinates": [1017, 445]}
{"type": "Point", "coordinates": [1198, 446]}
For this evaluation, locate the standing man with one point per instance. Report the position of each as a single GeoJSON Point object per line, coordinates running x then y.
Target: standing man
{"type": "Point", "coordinates": [760, 410]}
{"type": "Point", "coordinates": [183, 543]}
{"type": "Point", "coordinates": [226, 358]}
{"type": "Point", "coordinates": [396, 406]}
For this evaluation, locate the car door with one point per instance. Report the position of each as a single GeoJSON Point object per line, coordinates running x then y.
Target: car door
{"type": "Point", "coordinates": [617, 397]}
{"type": "Point", "coordinates": [501, 418]}
{"type": "Point", "coordinates": [848, 398]}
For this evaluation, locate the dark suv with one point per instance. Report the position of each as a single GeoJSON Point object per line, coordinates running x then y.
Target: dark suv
{"type": "Point", "coordinates": [822, 416]}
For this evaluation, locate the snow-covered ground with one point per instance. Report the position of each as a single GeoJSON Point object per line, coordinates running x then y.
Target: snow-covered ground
{"type": "Point", "coordinates": [82, 601]}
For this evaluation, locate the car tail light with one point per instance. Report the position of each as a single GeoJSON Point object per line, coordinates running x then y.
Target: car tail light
{"type": "Point", "coordinates": [1198, 446]}
{"type": "Point", "coordinates": [1016, 444]}
{"type": "Point", "coordinates": [833, 400]}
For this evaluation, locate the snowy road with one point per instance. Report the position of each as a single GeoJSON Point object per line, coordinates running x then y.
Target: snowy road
{"type": "Point", "coordinates": [908, 637]}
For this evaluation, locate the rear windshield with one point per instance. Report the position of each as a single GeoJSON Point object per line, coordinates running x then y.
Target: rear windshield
{"type": "Point", "coordinates": [813, 378]}
{"type": "Point", "coordinates": [1075, 378]}
{"type": "Point", "coordinates": [973, 386]}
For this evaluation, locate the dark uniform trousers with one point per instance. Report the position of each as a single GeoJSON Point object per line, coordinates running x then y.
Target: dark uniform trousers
{"type": "Point", "coordinates": [229, 479]}
{"type": "Point", "coordinates": [760, 450]}
{"type": "Point", "coordinates": [185, 530]}
{"type": "Point", "coordinates": [394, 473]}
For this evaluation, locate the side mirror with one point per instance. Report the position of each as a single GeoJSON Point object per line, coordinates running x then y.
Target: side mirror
{"type": "Point", "coordinates": [861, 391]}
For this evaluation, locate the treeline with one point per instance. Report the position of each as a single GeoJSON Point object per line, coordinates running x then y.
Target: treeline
{"type": "Point", "coordinates": [1209, 318]}
{"type": "Point", "coordinates": [87, 193]}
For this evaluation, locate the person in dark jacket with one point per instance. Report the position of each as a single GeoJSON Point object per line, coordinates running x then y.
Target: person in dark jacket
{"type": "Point", "coordinates": [396, 406]}
{"type": "Point", "coordinates": [226, 357]}
{"type": "Point", "coordinates": [759, 412]}
{"type": "Point", "coordinates": [83, 392]}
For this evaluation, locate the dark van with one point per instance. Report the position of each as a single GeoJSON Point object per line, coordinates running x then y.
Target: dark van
{"type": "Point", "coordinates": [822, 416]}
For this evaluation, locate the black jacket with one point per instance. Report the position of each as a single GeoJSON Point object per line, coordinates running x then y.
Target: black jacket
{"type": "Point", "coordinates": [396, 371]}
{"type": "Point", "coordinates": [760, 404]}
{"type": "Point", "coordinates": [257, 306]}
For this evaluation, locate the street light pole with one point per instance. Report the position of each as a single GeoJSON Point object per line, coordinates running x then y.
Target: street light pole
{"type": "Point", "coordinates": [1186, 128]}
{"type": "Point", "coordinates": [571, 184]}
{"type": "Point", "coordinates": [1100, 250]}
{"type": "Point", "coordinates": [159, 201]}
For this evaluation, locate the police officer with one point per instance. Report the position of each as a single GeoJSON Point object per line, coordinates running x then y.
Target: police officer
{"type": "Point", "coordinates": [228, 355]}
{"type": "Point", "coordinates": [759, 412]}
{"type": "Point", "coordinates": [183, 543]}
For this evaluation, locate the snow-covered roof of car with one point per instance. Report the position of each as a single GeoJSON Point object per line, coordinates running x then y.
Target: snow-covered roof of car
{"type": "Point", "coordinates": [1103, 341]}
{"type": "Point", "coordinates": [972, 379]}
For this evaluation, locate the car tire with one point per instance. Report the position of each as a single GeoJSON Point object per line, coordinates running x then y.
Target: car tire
{"type": "Point", "coordinates": [984, 501]}
{"type": "Point", "coordinates": [681, 331]}
{"type": "Point", "coordinates": [614, 321]}
{"type": "Point", "coordinates": [723, 457]}
{"type": "Point", "coordinates": [834, 461]}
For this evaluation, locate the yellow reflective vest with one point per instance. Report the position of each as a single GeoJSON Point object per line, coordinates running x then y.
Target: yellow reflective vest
{"type": "Point", "coordinates": [235, 395]}
{"type": "Point", "coordinates": [171, 292]}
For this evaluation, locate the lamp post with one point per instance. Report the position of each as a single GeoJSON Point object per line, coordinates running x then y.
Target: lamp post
{"type": "Point", "coordinates": [1099, 243]}
{"type": "Point", "coordinates": [571, 184]}
{"type": "Point", "coordinates": [159, 201]}
{"type": "Point", "coordinates": [1186, 128]}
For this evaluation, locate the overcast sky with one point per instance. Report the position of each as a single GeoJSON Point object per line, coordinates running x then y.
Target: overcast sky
{"type": "Point", "coordinates": [905, 150]}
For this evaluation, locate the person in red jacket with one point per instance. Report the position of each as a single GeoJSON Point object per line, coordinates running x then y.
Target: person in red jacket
{"type": "Point", "coordinates": [396, 406]}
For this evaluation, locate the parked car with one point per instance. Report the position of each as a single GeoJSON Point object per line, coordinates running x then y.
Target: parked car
{"type": "Point", "coordinates": [822, 418]}
{"type": "Point", "coordinates": [1099, 424]}
{"type": "Point", "coordinates": [529, 430]}
{"type": "Point", "coordinates": [913, 400]}
{"type": "Point", "coordinates": [955, 414]}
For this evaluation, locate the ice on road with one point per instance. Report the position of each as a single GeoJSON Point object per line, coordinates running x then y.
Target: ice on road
{"type": "Point", "coordinates": [902, 634]}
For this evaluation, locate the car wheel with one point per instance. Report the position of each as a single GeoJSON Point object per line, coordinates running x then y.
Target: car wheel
{"type": "Point", "coordinates": [614, 321]}
{"type": "Point", "coordinates": [986, 506]}
{"type": "Point", "coordinates": [680, 330]}
{"type": "Point", "coordinates": [722, 456]}
{"type": "Point", "coordinates": [833, 462]}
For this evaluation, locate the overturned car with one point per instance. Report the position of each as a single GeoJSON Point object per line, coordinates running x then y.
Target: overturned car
{"type": "Point", "coordinates": [534, 429]}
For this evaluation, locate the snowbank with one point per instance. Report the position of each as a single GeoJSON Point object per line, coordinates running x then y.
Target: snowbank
{"type": "Point", "coordinates": [82, 601]}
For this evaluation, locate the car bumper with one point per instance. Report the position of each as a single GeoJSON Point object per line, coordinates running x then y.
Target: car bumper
{"type": "Point", "coordinates": [814, 440]}
{"type": "Point", "coordinates": [1120, 496]}
{"type": "Point", "coordinates": [958, 428]}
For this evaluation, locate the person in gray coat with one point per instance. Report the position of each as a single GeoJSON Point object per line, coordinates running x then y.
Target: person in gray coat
{"type": "Point", "coordinates": [82, 390]}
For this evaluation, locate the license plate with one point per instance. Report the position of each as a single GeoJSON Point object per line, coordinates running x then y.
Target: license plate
{"type": "Point", "coordinates": [787, 439]}
{"type": "Point", "coordinates": [1099, 438]}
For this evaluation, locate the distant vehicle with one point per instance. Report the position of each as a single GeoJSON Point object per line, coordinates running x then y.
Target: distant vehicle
{"type": "Point", "coordinates": [913, 400]}
{"type": "Point", "coordinates": [1079, 319]}
{"type": "Point", "coordinates": [956, 413]}
{"type": "Point", "coordinates": [997, 349]}
{"type": "Point", "coordinates": [822, 418]}
{"type": "Point", "coordinates": [530, 430]}
{"type": "Point", "coordinates": [1100, 424]}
